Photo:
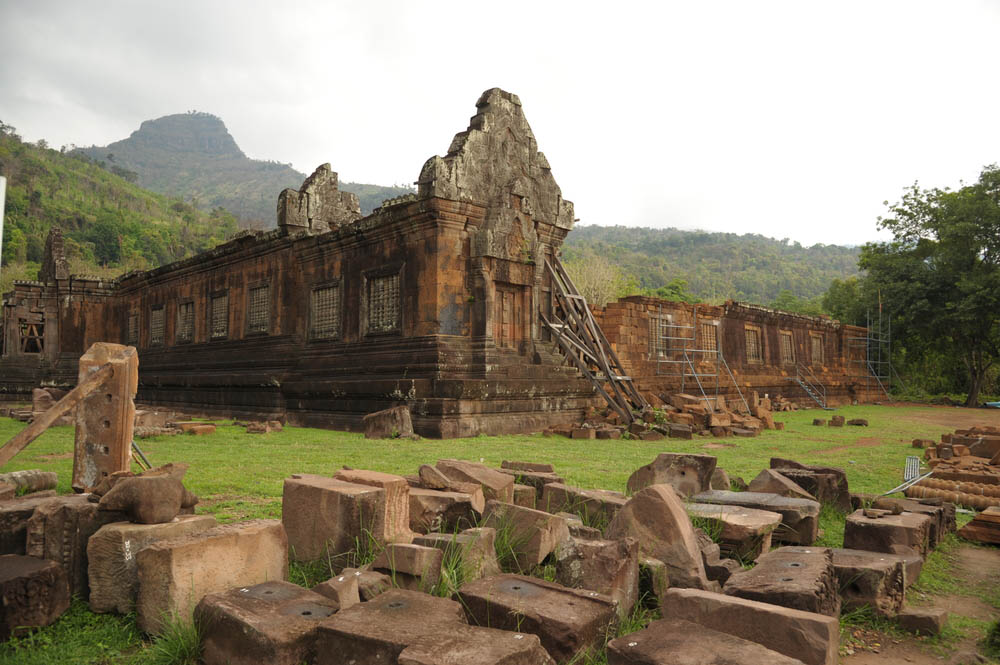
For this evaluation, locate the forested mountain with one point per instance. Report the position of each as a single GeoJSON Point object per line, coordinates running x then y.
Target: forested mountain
{"type": "Point", "coordinates": [715, 266]}
{"type": "Point", "coordinates": [193, 156]}
{"type": "Point", "coordinates": [110, 225]}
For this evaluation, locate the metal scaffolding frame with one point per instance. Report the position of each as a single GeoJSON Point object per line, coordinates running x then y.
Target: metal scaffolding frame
{"type": "Point", "coordinates": [680, 353]}
{"type": "Point", "coordinates": [870, 356]}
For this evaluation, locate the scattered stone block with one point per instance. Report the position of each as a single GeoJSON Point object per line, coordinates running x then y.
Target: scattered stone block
{"type": "Point", "coordinates": [341, 589]}
{"type": "Point", "coordinates": [476, 645]}
{"type": "Point", "coordinates": [744, 432]}
{"type": "Point", "coordinates": [801, 578]}
{"type": "Point", "coordinates": [922, 621]}
{"type": "Point", "coordinates": [535, 479]}
{"type": "Point", "coordinates": [33, 593]}
{"type": "Point", "coordinates": [942, 514]}
{"type": "Point", "coordinates": [432, 511]}
{"type": "Point", "coordinates": [799, 517]}
{"type": "Point", "coordinates": [837, 421]}
{"type": "Point", "coordinates": [175, 574]}
{"type": "Point", "coordinates": [717, 568]}
{"type": "Point", "coordinates": [148, 499]}
{"type": "Point", "coordinates": [476, 549]}
{"type": "Point", "coordinates": [687, 473]}
{"type": "Point", "coordinates": [679, 430]}
{"type": "Point", "coordinates": [396, 518]}
{"type": "Point", "coordinates": [112, 570]}
{"type": "Point", "coordinates": [650, 435]}
{"type": "Point", "coordinates": [31, 480]}
{"type": "Point", "coordinates": [527, 466]}
{"type": "Point", "coordinates": [810, 637]}
{"type": "Point", "coordinates": [984, 527]}
{"type": "Point", "coordinates": [770, 481]}
{"type": "Point", "coordinates": [819, 422]}
{"type": "Point", "coordinates": [391, 423]}
{"type": "Point", "coordinates": [583, 433]}
{"type": "Point", "coordinates": [533, 534]}
{"type": "Point", "coordinates": [870, 578]}
{"type": "Point", "coordinates": [565, 620]}
{"type": "Point", "coordinates": [858, 422]}
{"type": "Point", "coordinates": [595, 506]}
{"type": "Point", "coordinates": [609, 434]}
{"type": "Point", "coordinates": [720, 480]}
{"type": "Point", "coordinates": [413, 567]}
{"type": "Point", "coordinates": [432, 478]}
{"type": "Point", "coordinates": [496, 486]}
{"type": "Point", "coordinates": [609, 567]}
{"type": "Point", "coordinates": [327, 516]}
{"type": "Point", "coordinates": [841, 497]}
{"type": "Point", "coordinates": [273, 622]}
{"type": "Point", "coordinates": [376, 632]}
{"type": "Point", "coordinates": [656, 518]}
{"type": "Point", "coordinates": [14, 516]}
{"type": "Point", "coordinates": [525, 495]}
{"type": "Point", "coordinates": [200, 429]}
{"type": "Point", "coordinates": [884, 532]}
{"type": "Point", "coordinates": [744, 533]}
{"type": "Point", "coordinates": [370, 583]}
{"type": "Point", "coordinates": [673, 641]}
{"type": "Point", "coordinates": [59, 529]}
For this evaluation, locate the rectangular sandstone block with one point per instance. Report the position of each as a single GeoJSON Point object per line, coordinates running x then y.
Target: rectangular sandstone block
{"type": "Point", "coordinates": [111, 558]}
{"type": "Point", "coordinates": [175, 574]}
{"type": "Point", "coordinates": [327, 516]}
{"type": "Point", "coordinates": [14, 516]}
{"type": "Point", "coordinates": [396, 523]}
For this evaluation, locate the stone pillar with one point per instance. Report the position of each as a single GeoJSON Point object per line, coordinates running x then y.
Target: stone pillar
{"type": "Point", "coordinates": [105, 418]}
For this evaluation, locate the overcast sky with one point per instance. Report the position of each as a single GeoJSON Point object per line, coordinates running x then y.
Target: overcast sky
{"type": "Point", "coordinates": [788, 119]}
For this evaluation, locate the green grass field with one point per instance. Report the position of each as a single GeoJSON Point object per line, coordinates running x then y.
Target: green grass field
{"type": "Point", "coordinates": [239, 476]}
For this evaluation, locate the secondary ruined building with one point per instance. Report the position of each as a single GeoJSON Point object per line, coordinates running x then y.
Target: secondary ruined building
{"type": "Point", "coordinates": [433, 300]}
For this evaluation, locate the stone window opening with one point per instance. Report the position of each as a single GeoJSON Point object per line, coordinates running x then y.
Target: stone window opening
{"type": "Point", "coordinates": [755, 350]}
{"type": "Point", "coordinates": [816, 348]}
{"type": "Point", "coordinates": [32, 336]}
{"type": "Point", "coordinates": [132, 330]}
{"type": "Point", "coordinates": [787, 347]}
{"type": "Point", "coordinates": [219, 316]}
{"type": "Point", "coordinates": [258, 309]}
{"type": "Point", "coordinates": [325, 312]}
{"type": "Point", "coordinates": [660, 328]}
{"type": "Point", "coordinates": [185, 322]}
{"type": "Point", "coordinates": [709, 336]}
{"type": "Point", "coordinates": [156, 328]}
{"type": "Point", "coordinates": [383, 304]}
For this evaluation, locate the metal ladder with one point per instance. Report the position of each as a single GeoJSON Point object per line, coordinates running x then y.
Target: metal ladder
{"type": "Point", "coordinates": [810, 383]}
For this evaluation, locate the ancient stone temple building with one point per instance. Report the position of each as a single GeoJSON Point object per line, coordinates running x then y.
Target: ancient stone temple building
{"type": "Point", "coordinates": [433, 300]}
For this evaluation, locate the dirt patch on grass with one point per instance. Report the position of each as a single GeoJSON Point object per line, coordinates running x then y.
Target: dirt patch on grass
{"type": "Point", "coordinates": [867, 442]}
{"type": "Point", "coordinates": [48, 457]}
{"type": "Point", "coordinates": [950, 418]}
{"type": "Point", "coordinates": [718, 446]}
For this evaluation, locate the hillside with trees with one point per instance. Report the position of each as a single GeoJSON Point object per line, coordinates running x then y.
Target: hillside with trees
{"type": "Point", "coordinates": [711, 267]}
{"type": "Point", "coordinates": [110, 225]}
{"type": "Point", "coordinates": [193, 156]}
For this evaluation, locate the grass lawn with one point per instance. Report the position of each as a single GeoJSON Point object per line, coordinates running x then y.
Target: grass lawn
{"type": "Point", "coordinates": [239, 476]}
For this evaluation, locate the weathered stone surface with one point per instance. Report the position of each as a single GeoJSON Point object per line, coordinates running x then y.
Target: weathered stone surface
{"type": "Point", "coordinates": [273, 622]}
{"type": "Point", "coordinates": [431, 478]}
{"type": "Point", "coordinates": [525, 495]}
{"type": "Point", "coordinates": [341, 589]}
{"type": "Point", "coordinates": [535, 479]}
{"type": "Point", "coordinates": [800, 578]}
{"type": "Point", "coordinates": [476, 645]}
{"type": "Point", "coordinates": [770, 481]}
{"type": "Point", "coordinates": [596, 506]}
{"type": "Point", "coordinates": [59, 529]}
{"type": "Point", "coordinates": [7, 491]}
{"type": "Point", "coordinates": [497, 486]}
{"type": "Point", "coordinates": [396, 520]}
{"type": "Point", "coordinates": [923, 621]}
{"type": "Point", "coordinates": [942, 514]}
{"type": "Point", "coordinates": [842, 498]}
{"type": "Point", "coordinates": [609, 567]}
{"type": "Point", "coordinates": [687, 473]}
{"type": "Point", "coordinates": [858, 422]}
{"type": "Point", "coordinates": [318, 205]}
{"type": "Point", "coordinates": [376, 632]}
{"type": "Point", "coordinates": [475, 548]}
{"type": "Point", "coordinates": [389, 424]}
{"type": "Point", "coordinates": [799, 517]}
{"type": "Point", "coordinates": [720, 480]}
{"type": "Point", "coordinates": [824, 487]}
{"type": "Point", "coordinates": [527, 466]}
{"type": "Point", "coordinates": [31, 480]}
{"type": "Point", "coordinates": [565, 620]}
{"type": "Point", "coordinates": [413, 567]}
{"type": "Point", "coordinates": [175, 574]}
{"type": "Point", "coordinates": [14, 516]}
{"type": "Point", "coordinates": [370, 583]}
{"type": "Point", "coordinates": [717, 569]}
{"type": "Point", "coordinates": [656, 518]}
{"type": "Point", "coordinates": [432, 511]}
{"type": "Point", "coordinates": [870, 578]}
{"type": "Point", "coordinates": [146, 500]}
{"type": "Point", "coordinates": [744, 532]}
{"type": "Point", "coordinates": [111, 558]}
{"type": "Point", "coordinates": [327, 516]}
{"type": "Point", "coordinates": [534, 534]}
{"type": "Point", "coordinates": [837, 421]}
{"type": "Point", "coordinates": [810, 637]}
{"type": "Point", "coordinates": [896, 534]}
{"type": "Point", "coordinates": [654, 580]}
{"type": "Point", "coordinates": [678, 642]}
{"type": "Point", "coordinates": [33, 592]}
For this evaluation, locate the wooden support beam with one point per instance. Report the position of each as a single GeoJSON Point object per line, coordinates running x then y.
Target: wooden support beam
{"type": "Point", "coordinates": [93, 381]}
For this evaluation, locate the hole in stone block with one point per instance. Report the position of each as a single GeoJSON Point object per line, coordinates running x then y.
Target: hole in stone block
{"type": "Point", "coordinates": [516, 588]}
{"type": "Point", "coordinates": [269, 592]}
{"type": "Point", "coordinates": [306, 613]}
{"type": "Point", "coordinates": [395, 604]}
{"type": "Point", "coordinates": [794, 564]}
{"type": "Point", "coordinates": [106, 450]}
{"type": "Point", "coordinates": [104, 473]}
{"type": "Point", "coordinates": [787, 579]}
{"type": "Point", "coordinates": [107, 424]}
{"type": "Point", "coordinates": [109, 397]}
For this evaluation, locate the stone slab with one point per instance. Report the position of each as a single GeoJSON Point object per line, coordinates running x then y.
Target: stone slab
{"type": "Point", "coordinates": [476, 645]}
{"type": "Point", "coordinates": [341, 589]}
{"type": "Point", "coordinates": [14, 516]}
{"type": "Point", "coordinates": [801, 578]}
{"type": "Point", "coordinates": [410, 566]}
{"type": "Point", "coordinates": [273, 622]}
{"type": "Point", "coordinates": [533, 534]}
{"type": "Point", "coordinates": [175, 574]}
{"type": "Point", "coordinates": [770, 481]}
{"type": "Point", "coordinates": [687, 473]}
{"type": "Point", "coordinates": [323, 516]}
{"type": "Point", "coordinates": [497, 486]}
{"type": "Point", "coordinates": [744, 532]}
{"type": "Point", "coordinates": [475, 548]}
{"type": "Point", "coordinates": [396, 518]}
{"type": "Point", "coordinates": [33, 593]}
{"type": "Point", "coordinates": [440, 511]}
{"type": "Point", "coordinates": [896, 534]}
{"type": "Point", "coordinates": [565, 620]}
{"type": "Point", "coordinates": [596, 507]}
{"type": "Point", "coordinates": [609, 567]}
{"type": "Point", "coordinates": [799, 517]}
{"type": "Point", "coordinates": [875, 579]}
{"type": "Point", "coordinates": [112, 569]}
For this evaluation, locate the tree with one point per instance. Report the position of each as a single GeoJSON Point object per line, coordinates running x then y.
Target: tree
{"type": "Point", "coordinates": [941, 273]}
{"type": "Point", "coordinates": [846, 301]}
{"type": "Point", "coordinates": [597, 279]}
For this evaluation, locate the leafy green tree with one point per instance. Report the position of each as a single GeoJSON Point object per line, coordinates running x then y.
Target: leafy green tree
{"type": "Point", "coordinates": [941, 273]}
{"type": "Point", "coordinates": [847, 301]}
